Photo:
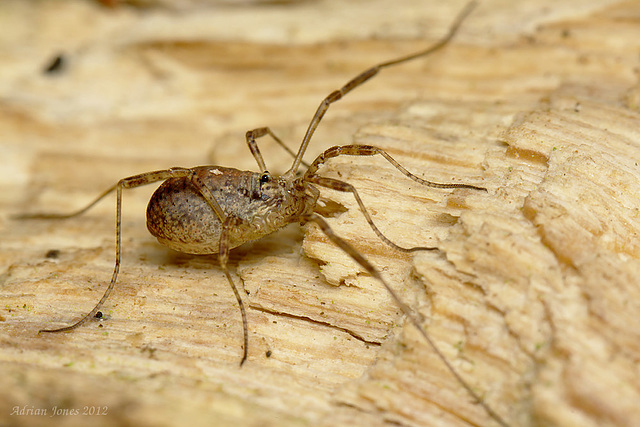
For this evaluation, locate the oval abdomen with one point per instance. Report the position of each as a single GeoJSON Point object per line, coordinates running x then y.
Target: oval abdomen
{"type": "Point", "coordinates": [180, 218]}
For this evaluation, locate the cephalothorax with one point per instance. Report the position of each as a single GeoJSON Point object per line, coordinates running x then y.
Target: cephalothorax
{"type": "Point", "coordinates": [211, 209]}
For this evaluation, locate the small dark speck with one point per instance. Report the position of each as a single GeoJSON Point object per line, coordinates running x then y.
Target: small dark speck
{"type": "Point", "coordinates": [56, 65]}
{"type": "Point", "coordinates": [150, 350]}
{"type": "Point", "coordinates": [99, 315]}
{"type": "Point", "coordinates": [52, 254]}
{"type": "Point", "coordinates": [268, 353]}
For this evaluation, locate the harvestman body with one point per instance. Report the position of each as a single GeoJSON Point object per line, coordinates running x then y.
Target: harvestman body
{"type": "Point", "coordinates": [211, 209]}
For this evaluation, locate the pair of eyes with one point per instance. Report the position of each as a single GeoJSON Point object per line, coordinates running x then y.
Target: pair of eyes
{"type": "Point", "coordinates": [265, 177]}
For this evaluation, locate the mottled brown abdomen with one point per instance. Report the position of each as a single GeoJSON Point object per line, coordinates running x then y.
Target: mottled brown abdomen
{"type": "Point", "coordinates": [180, 218]}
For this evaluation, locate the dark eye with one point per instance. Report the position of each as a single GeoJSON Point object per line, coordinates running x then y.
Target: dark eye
{"type": "Point", "coordinates": [264, 178]}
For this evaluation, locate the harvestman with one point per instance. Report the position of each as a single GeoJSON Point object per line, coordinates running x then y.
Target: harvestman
{"type": "Point", "coordinates": [212, 209]}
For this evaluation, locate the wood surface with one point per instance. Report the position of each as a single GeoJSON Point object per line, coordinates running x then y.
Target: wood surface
{"type": "Point", "coordinates": [533, 295]}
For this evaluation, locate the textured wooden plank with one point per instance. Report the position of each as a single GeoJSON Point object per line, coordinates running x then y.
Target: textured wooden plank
{"type": "Point", "coordinates": [532, 296]}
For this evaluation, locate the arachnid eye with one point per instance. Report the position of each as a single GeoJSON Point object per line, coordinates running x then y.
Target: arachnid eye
{"type": "Point", "coordinates": [265, 177]}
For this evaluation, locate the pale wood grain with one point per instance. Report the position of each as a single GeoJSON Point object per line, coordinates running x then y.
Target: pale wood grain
{"type": "Point", "coordinates": [533, 295]}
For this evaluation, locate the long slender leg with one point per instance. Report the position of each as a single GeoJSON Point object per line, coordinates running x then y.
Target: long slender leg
{"type": "Point", "coordinates": [228, 222]}
{"type": "Point", "coordinates": [223, 257]}
{"type": "Point", "coordinates": [370, 150]}
{"type": "Point", "coordinates": [130, 182]}
{"type": "Point", "coordinates": [338, 185]}
{"type": "Point", "coordinates": [137, 181]}
{"type": "Point", "coordinates": [413, 318]}
{"type": "Point", "coordinates": [251, 138]}
{"type": "Point", "coordinates": [363, 77]}
{"type": "Point", "coordinates": [65, 216]}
